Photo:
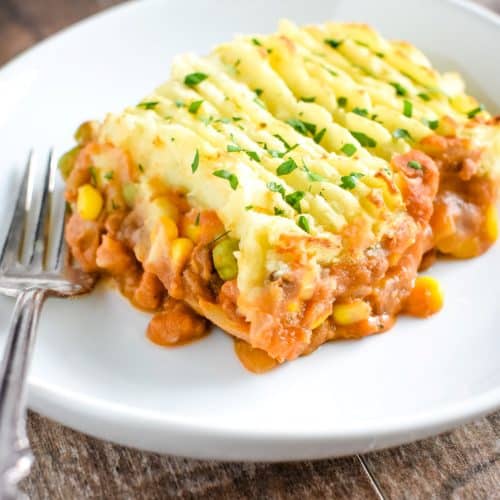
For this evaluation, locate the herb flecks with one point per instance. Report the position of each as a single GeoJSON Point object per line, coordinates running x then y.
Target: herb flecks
{"type": "Point", "coordinates": [349, 181]}
{"type": "Point", "coordinates": [333, 43]}
{"type": "Point", "coordinates": [400, 90]}
{"type": "Point", "coordinates": [303, 127]}
{"type": "Point", "coordinates": [194, 79]}
{"type": "Point", "coordinates": [407, 108]}
{"type": "Point", "coordinates": [148, 104]}
{"type": "Point", "coordinates": [349, 149]}
{"type": "Point", "coordinates": [365, 140]}
{"type": "Point", "coordinates": [294, 199]}
{"type": "Point", "coordinates": [195, 106]}
{"type": "Point", "coordinates": [303, 223]}
{"type": "Point", "coordinates": [473, 112]}
{"type": "Point", "coordinates": [401, 133]}
{"type": "Point", "coordinates": [276, 187]}
{"type": "Point", "coordinates": [228, 176]}
{"type": "Point", "coordinates": [196, 162]}
{"type": "Point", "coordinates": [287, 167]}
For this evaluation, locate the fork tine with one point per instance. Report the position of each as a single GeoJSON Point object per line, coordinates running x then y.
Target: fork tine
{"type": "Point", "coordinates": [12, 246]}
{"type": "Point", "coordinates": [38, 249]}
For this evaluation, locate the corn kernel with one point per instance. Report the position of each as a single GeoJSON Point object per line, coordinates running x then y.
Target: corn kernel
{"type": "Point", "coordinates": [180, 251]}
{"type": "Point", "coordinates": [165, 207]}
{"type": "Point", "coordinates": [169, 227]}
{"type": "Point", "coordinates": [463, 103]}
{"type": "Point", "coordinates": [293, 306]}
{"type": "Point", "coordinates": [192, 231]}
{"type": "Point", "coordinates": [491, 224]}
{"type": "Point", "coordinates": [346, 314]}
{"type": "Point", "coordinates": [426, 298]}
{"type": "Point", "coordinates": [89, 202]}
{"type": "Point", "coordinates": [320, 320]}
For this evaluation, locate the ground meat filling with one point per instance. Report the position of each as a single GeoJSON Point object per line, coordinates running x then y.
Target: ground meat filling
{"type": "Point", "coordinates": [447, 202]}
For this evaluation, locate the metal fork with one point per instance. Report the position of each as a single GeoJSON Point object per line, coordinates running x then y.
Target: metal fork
{"type": "Point", "coordinates": [31, 280]}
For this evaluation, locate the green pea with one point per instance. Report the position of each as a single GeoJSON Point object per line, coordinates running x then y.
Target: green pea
{"type": "Point", "coordinates": [224, 260]}
{"type": "Point", "coordinates": [67, 161]}
{"type": "Point", "coordinates": [129, 192]}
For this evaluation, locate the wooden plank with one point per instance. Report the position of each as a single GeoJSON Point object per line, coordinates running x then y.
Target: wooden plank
{"type": "Point", "coordinates": [464, 463]}
{"type": "Point", "coordinates": [70, 465]}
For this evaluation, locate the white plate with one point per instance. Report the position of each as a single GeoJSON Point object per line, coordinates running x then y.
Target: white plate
{"type": "Point", "coordinates": [93, 368]}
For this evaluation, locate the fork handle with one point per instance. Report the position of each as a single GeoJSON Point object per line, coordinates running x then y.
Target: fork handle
{"type": "Point", "coordinates": [15, 453]}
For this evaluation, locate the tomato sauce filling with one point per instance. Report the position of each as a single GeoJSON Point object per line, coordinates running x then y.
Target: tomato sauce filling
{"type": "Point", "coordinates": [448, 204]}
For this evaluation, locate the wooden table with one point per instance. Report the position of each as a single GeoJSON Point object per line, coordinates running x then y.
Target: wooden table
{"type": "Point", "coordinates": [464, 463]}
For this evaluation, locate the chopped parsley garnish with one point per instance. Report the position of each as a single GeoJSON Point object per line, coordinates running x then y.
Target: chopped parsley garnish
{"type": "Point", "coordinates": [249, 207]}
{"type": "Point", "coordinates": [148, 104]}
{"type": "Point", "coordinates": [424, 96]}
{"type": "Point", "coordinates": [349, 149]}
{"type": "Point", "coordinates": [401, 133]}
{"type": "Point", "coordinates": [223, 120]}
{"type": "Point", "coordinates": [473, 112]}
{"type": "Point", "coordinates": [255, 41]}
{"type": "Point", "coordinates": [109, 175]}
{"type": "Point", "coordinates": [278, 211]}
{"type": "Point", "coordinates": [432, 124]}
{"type": "Point", "coordinates": [365, 140]}
{"type": "Point", "coordinates": [252, 155]}
{"type": "Point", "coordinates": [276, 187]}
{"type": "Point", "coordinates": [179, 103]}
{"type": "Point", "coordinates": [231, 178]}
{"type": "Point", "coordinates": [380, 54]}
{"type": "Point", "coordinates": [415, 164]}
{"type": "Point", "coordinates": [302, 127]}
{"type": "Point", "coordinates": [400, 90]}
{"type": "Point", "coordinates": [312, 176]}
{"type": "Point", "coordinates": [349, 181]}
{"type": "Point", "coordinates": [333, 43]}
{"type": "Point", "coordinates": [287, 146]}
{"type": "Point", "coordinates": [233, 148]}
{"type": "Point", "coordinates": [140, 167]}
{"type": "Point", "coordinates": [319, 135]}
{"type": "Point", "coordinates": [197, 220]}
{"type": "Point", "coordinates": [194, 79]}
{"type": "Point", "coordinates": [307, 99]}
{"type": "Point", "coordinates": [258, 92]}
{"type": "Point", "coordinates": [196, 162]}
{"type": "Point", "coordinates": [260, 103]}
{"type": "Point", "coordinates": [294, 199]}
{"type": "Point", "coordinates": [342, 102]}
{"type": "Point", "coordinates": [93, 175]}
{"type": "Point", "coordinates": [303, 223]}
{"type": "Point", "coordinates": [207, 120]}
{"type": "Point", "coordinates": [360, 111]}
{"type": "Point", "coordinates": [330, 70]}
{"type": "Point", "coordinates": [286, 167]}
{"type": "Point", "coordinates": [407, 108]}
{"type": "Point", "coordinates": [195, 106]}
{"type": "Point", "coordinates": [237, 118]}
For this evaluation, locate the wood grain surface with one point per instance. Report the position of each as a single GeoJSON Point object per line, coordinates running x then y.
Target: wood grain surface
{"type": "Point", "coordinates": [464, 463]}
